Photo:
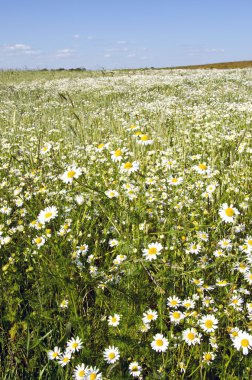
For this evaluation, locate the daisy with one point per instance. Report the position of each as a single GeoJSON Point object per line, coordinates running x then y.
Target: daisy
{"type": "Point", "coordinates": [188, 304]}
{"type": "Point", "coordinates": [208, 357]}
{"type": "Point", "coordinates": [144, 140]}
{"type": "Point", "coordinates": [80, 372]}
{"type": "Point", "coordinates": [175, 181]}
{"type": "Point", "coordinates": [82, 249]}
{"type": "Point", "coordinates": [79, 199]}
{"type": "Point", "coordinates": [64, 359]}
{"type": "Point", "coordinates": [173, 302]}
{"type": "Point", "coordinates": [160, 343]}
{"type": "Point", "coordinates": [47, 214]}
{"type": "Point", "coordinates": [130, 167]}
{"type": "Point", "coordinates": [248, 277]}
{"type": "Point", "coordinates": [114, 320]}
{"type": "Point", "coordinates": [113, 242]}
{"type": "Point", "coordinates": [176, 317]}
{"type": "Point", "coordinates": [191, 336]}
{"type": "Point", "coordinates": [93, 374]}
{"type": "Point", "coordinates": [243, 341]}
{"type": "Point", "coordinates": [202, 168]}
{"type": "Point", "coordinates": [112, 193]}
{"type": "Point", "coordinates": [71, 173]}
{"type": "Point", "coordinates": [119, 259]}
{"type": "Point", "coordinates": [248, 243]}
{"type": "Point", "coordinates": [208, 323]}
{"type": "Point", "coordinates": [135, 369]}
{"type": "Point", "coordinates": [228, 213]}
{"type": "Point", "coordinates": [236, 302]}
{"type": "Point", "coordinates": [225, 244]}
{"type": "Point", "coordinates": [74, 345]}
{"type": "Point", "coordinates": [111, 354]}
{"type": "Point", "coordinates": [149, 316]}
{"type": "Point", "coordinates": [64, 304]}
{"type": "Point", "coordinates": [211, 188]}
{"type": "Point", "coordinates": [54, 354]}
{"type": "Point", "coordinates": [39, 241]}
{"type": "Point", "coordinates": [46, 148]}
{"type": "Point", "coordinates": [116, 155]}
{"type": "Point", "coordinates": [153, 250]}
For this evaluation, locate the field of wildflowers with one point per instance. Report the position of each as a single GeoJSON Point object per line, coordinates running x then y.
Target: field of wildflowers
{"type": "Point", "coordinates": [125, 232]}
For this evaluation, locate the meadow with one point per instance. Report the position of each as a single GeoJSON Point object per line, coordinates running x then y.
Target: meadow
{"type": "Point", "coordinates": [125, 231]}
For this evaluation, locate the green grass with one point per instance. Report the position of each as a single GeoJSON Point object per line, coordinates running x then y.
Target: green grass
{"type": "Point", "coordinates": [190, 133]}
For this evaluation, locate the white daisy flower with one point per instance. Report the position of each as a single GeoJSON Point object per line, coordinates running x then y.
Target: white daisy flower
{"type": "Point", "coordinates": [130, 167]}
{"type": "Point", "coordinates": [208, 323]}
{"type": "Point", "coordinates": [111, 354]}
{"type": "Point", "coordinates": [111, 193]}
{"type": "Point", "coordinates": [228, 213]}
{"type": "Point", "coordinates": [65, 358]}
{"type": "Point", "coordinates": [74, 345]}
{"type": "Point", "coordinates": [54, 354]}
{"type": "Point", "coordinates": [243, 341]}
{"type": "Point", "coordinates": [47, 214]}
{"type": "Point", "coordinates": [135, 369]}
{"type": "Point", "coordinates": [114, 320]}
{"type": "Point", "coordinates": [149, 316]}
{"type": "Point", "coordinates": [160, 343]}
{"type": "Point", "coordinates": [71, 173]}
{"type": "Point", "coordinates": [153, 250]}
{"type": "Point", "coordinates": [80, 372]}
{"type": "Point", "coordinates": [191, 336]}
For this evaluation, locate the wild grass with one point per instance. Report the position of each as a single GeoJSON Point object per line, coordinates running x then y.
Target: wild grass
{"type": "Point", "coordinates": [149, 174]}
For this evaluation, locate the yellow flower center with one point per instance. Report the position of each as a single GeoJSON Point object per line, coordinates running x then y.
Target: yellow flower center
{"type": "Point", "coordinates": [173, 303]}
{"type": "Point", "coordinates": [81, 373]}
{"type": "Point", "coordinates": [150, 316]}
{"type": "Point", "coordinates": [134, 369]}
{"type": "Point", "coordinates": [209, 323]}
{"type": "Point", "coordinates": [159, 342]}
{"type": "Point", "coordinates": [176, 315]}
{"type": "Point", "coordinates": [118, 153]}
{"type": "Point", "coordinates": [48, 215]}
{"type": "Point", "coordinates": [75, 345]}
{"type": "Point", "coordinates": [190, 335]}
{"type": "Point", "coordinates": [113, 319]}
{"type": "Point", "coordinates": [174, 180]}
{"type": "Point", "coordinates": [128, 165]}
{"type": "Point", "coordinates": [144, 137]}
{"type": "Point", "coordinates": [38, 240]}
{"type": "Point", "coordinates": [187, 304]}
{"type": "Point", "coordinates": [229, 211]}
{"type": "Point", "coordinates": [249, 242]}
{"type": "Point", "coordinates": [234, 334]}
{"type": "Point", "coordinates": [71, 174]}
{"type": "Point", "coordinates": [55, 355]}
{"type": "Point", "coordinates": [111, 355]}
{"type": "Point", "coordinates": [202, 167]}
{"type": "Point", "coordinates": [92, 376]}
{"type": "Point", "coordinates": [100, 146]}
{"type": "Point", "coordinates": [152, 251]}
{"type": "Point", "coordinates": [244, 343]}
{"type": "Point", "coordinates": [138, 133]}
{"type": "Point", "coordinates": [65, 359]}
{"type": "Point", "coordinates": [208, 357]}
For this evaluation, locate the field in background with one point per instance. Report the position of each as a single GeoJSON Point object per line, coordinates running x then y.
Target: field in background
{"type": "Point", "coordinates": [125, 224]}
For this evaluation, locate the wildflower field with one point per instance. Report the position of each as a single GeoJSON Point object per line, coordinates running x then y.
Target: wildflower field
{"type": "Point", "coordinates": [125, 232]}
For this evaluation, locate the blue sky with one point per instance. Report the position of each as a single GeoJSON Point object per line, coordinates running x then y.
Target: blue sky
{"type": "Point", "coordinates": [113, 34]}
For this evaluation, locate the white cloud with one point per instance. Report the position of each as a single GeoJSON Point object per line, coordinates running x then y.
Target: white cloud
{"type": "Point", "coordinates": [76, 36]}
{"type": "Point", "coordinates": [107, 55]}
{"type": "Point", "coordinates": [63, 53]}
{"type": "Point", "coordinates": [121, 42]}
{"type": "Point", "coordinates": [19, 49]}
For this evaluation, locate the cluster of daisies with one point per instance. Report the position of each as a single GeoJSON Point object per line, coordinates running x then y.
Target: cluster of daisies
{"type": "Point", "coordinates": [150, 212]}
{"type": "Point", "coordinates": [83, 372]}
